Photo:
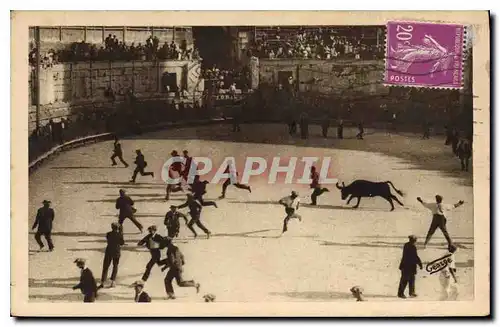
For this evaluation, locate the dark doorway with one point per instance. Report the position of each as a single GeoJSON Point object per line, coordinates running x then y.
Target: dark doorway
{"type": "Point", "coordinates": [214, 44]}
{"type": "Point", "coordinates": [170, 80]}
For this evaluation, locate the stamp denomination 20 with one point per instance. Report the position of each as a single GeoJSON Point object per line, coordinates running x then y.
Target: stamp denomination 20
{"type": "Point", "coordinates": [424, 54]}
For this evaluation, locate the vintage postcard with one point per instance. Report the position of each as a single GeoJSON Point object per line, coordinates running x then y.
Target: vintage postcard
{"type": "Point", "coordinates": [308, 164]}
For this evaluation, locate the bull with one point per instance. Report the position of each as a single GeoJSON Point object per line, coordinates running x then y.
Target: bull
{"type": "Point", "coordinates": [361, 188]}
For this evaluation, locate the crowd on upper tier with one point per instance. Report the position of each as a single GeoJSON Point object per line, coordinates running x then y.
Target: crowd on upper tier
{"type": "Point", "coordinates": [320, 43]}
{"type": "Point", "coordinates": [115, 50]}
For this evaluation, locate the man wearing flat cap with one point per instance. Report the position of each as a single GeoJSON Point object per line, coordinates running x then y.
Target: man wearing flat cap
{"type": "Point", "coordinates": [154, 242]}
{"type": "Point", "coordinates": [408, 267]}
{"type": "Point", "coordinates": [172, 221]}
{"type": "Point", "coordinates": [140, 294]}
{"type": "Point", "coordinates": [291, 204]}
{"type": "Point", "coordinates": [87, 285]}
{"type": "Point", "coordinates": [114, 240]}
{"type": "Point", "coordinates": [43, 220]}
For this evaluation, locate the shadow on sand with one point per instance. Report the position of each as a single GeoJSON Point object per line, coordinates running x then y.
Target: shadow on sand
{"type": "Point", "coordinates": [312, 295]}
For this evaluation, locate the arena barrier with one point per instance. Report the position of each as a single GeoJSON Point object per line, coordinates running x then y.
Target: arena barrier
{"type": "Point", "coordinates": [107, 136]}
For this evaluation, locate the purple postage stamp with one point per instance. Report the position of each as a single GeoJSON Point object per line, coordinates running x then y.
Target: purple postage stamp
{"type": "Point", "coordinates": [424, 54]}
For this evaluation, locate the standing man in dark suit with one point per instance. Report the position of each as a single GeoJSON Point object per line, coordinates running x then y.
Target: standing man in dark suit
{"type": "Point", "coordinates": [115, 241]}
{"type": "Point", "coordinates": [408, 267]}
{"type": "Point", "coordinates": [44, 219]}
{"type": "Point", "coordinates": [87, 284]}
{"type": "Point", "coordinates": [126, 206]}
{"type": "Point", "coordinates": [464, 152]}
{"type": "Point", "coordinates": [340, 129]}
{"type": "Point", "coordinates": [117, 152]}
{"type": "Point", "coordinates": [175, 261]}
{"type": "Point", "coordinates": [154, 242]}
{"type": "Point", "coordinates": [140, 163]}
{"type": "Point", "coordinates": [140, 295]}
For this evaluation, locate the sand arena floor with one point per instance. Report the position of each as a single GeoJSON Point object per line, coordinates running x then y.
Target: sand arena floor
{"type": "Point", "coordinates": [319, 259]}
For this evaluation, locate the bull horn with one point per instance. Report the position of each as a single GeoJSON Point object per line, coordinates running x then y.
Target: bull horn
{"type": "Point", "coordinates": [338, 186]}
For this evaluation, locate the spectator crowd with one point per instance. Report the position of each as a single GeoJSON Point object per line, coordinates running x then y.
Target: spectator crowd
{"type": "Point", "coordinates": [116, 50]}
{"type": "Point", "coordinates": [320, 43]}
{"type": "Point", "coordinates": [226, 79]}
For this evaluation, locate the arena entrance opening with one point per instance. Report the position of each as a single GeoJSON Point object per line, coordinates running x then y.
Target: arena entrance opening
{"type": "Point", "coordinates": [170, 80]}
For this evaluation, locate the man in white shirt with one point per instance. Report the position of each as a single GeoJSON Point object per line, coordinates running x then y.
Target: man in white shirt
{"type": "Point", "coordinates": [447, 277]}
{"type": "Point", "coordinates": [291, 204]}
{"type": "Point", "coordinates": [438, 218]}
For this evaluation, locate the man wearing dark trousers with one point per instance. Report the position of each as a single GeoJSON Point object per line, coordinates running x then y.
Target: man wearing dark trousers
{"type": "Point", "coordinates": [126, 206]}
{"type": "Point", "coordinates": [154, 243]}
{"type": "Point", "coordinates": [318, 190]}
{"type": "Point", "coordinates": [438, 218]}
{"type": "Point", "coordinates": [175, 170]}
{"type": "Point", "coordinates": [117, 152]}
{"type": "Point", "coordinates": [325, 124]}
{"type": "Point", "coordinates": [199, 188]}
{"type": "Point", "coordinates": [172, 221]}
{"type": "Point", "coordinates": [228, 182]}
{"type": "Point", "coordinates": [43, 220]}
{"type": "Point", "coordinates": [464, 152]}
{"type": "Point", "coordinates": [112, 253]}
{"type": "Point", "coordinates": [340, 129]}
{"type": "Point", "coordinates": [140, 163]}
{"type": "Point", "coordinates": [408, 267]}
{"type": "Point", "coordinates": [87, 284]}
{"type": "Point", "coordinates": [195, 213]}
{"type": "Point", "coordinates": [175, 261]}
{"type": "Point", "coordinates": [187, 165]}
{"type": "Point", "coordinates": [361, 131]}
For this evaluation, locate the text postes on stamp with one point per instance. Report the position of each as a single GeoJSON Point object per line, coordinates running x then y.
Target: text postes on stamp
{"type": "Point", "coordinates": [424, 54]}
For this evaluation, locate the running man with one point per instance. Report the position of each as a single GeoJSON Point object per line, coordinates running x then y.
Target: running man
{"type": "Point", "coordinates": [318, 190]}
{"type": "Point", "coordinates": [174, 171]}
{"type": "Point", "coordinates": [140, 165]}
{"type": "Point", "coordinates": [195, 213]}
{"type": "Point", "coordinates": [228, 182]}
{"type": "Point", "coordinates": [172, 221]}
{"type": "Point", "coordinates": [117, 152]}
{"type": "Point", "coordinates": [438, 218]}
{"type": "Point", "coordinates": [199, 188]}
{"type": "Point", "coordinates": [291, 204]}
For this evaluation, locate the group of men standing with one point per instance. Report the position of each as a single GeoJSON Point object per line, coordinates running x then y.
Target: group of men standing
{"type": "Point", "coordinates": [410, 259]}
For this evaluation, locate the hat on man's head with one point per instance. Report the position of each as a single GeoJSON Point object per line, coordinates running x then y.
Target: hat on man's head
{"type": "Point", "coordinates": [137, 150]}
{"type": "Point", "coordinates": [79, 260]}
{"type": "Point", "coordinates": [294, 193]}
{"type": "Point", "coordinates": [138, 283]}
{"type": "Point", "coordinates": [357, 289]}
{"type": "Point", "coordinates": [412, 237]}
{"type": "Point", "coordinates": [173, 207]}
{"type": "Point", "coordinates": [152, 227]}
{"type": "Point", "coordinates": [115, 225]}
{"type": "Point", "coordinates": [439, 198]}
{"type": "Point", "coordinates": [46, 202]}
{"type": "Point", "coordinates": [174, 153]}
{"type": "Point", "coordinates": [185, 151]}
